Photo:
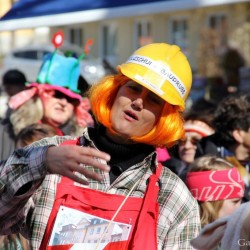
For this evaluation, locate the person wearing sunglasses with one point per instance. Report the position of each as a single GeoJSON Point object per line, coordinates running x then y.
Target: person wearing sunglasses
{"type": "Point", "coordinates": [53, 99]}
{"type": "Point", "coordinates": [196, 127]}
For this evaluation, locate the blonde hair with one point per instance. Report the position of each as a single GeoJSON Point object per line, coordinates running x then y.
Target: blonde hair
{"type": "Point", "coordinates": [167, 130]}
{"type": "Point", "coordinates": [32, 112]}
{"type": "Point", "coordinates": [209, 210]}
{"type": "Point", "coordinates": [28, 113]}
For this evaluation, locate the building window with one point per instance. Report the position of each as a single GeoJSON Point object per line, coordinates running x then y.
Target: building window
{"type": "Point", "coordinates": [218, 24]}
{"type": "Point", "coordinates": [109, 38]}
{"type": "Point", "coordinates": [76, 36]}
{"type": "Point", "coordinates": [217, 21]}
{"type": "Point", "coordinates": [98, 230]}
{"type": "Point", "coordinates": [143, 33]}
{"type": "Point", "coordinates": [179, 34]}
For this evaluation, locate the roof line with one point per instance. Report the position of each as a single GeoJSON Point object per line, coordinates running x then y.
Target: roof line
{"type": "Point", "coordinates": [108, 13]}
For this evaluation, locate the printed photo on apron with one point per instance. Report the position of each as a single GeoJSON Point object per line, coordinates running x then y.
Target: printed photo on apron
{"type": "Point", "coordinates": [79, 230]}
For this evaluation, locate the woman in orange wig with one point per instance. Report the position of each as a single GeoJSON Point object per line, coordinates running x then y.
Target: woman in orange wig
{"type": "Point", "coordinates": [106, 189]}
{"type": "Point", "coordinates": [167, 130]}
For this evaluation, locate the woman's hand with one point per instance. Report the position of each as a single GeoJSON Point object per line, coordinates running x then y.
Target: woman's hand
{"type": "Point", "coordinates": [67, 159]}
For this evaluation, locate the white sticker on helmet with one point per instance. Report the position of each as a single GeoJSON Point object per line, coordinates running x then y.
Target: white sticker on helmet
{"type": "Point", "coordinates": [149, 84]}
{"type": "Point", "coordinates": [161, 70]}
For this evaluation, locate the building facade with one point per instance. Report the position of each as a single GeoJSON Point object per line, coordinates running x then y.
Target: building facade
{"type": "Point", "coordinates": [205, 34]}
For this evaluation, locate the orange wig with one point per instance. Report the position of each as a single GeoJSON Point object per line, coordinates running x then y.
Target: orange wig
{"type": "Point", "coordinates": [167, 130]}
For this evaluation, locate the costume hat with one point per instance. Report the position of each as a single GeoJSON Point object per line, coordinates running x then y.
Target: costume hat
{"type": "Point", "coordinates": [60, 71]}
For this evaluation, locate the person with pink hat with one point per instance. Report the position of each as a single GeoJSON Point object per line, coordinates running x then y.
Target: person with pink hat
{"type": "Point", "coordinates": [54, 99]}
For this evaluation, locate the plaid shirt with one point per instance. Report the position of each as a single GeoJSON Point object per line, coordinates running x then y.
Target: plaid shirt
{"type": "Point", "coordinates": [28, 192]}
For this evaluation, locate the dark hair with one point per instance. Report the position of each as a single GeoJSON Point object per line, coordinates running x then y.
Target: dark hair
{"type": "Point", "coordinates": [83, 85]}
{"type": "Point", "coordinates": [202, 105]}
{"type": "Point", "coordinates": [14, 77]}
{"type": "Point", "coordinates": [233, 112]}
{"type": "Point", "coordinates": [199, 116]}
{"type": "Point", "coordinates": [34, 132]}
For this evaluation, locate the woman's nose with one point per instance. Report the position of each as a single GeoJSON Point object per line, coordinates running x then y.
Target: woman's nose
{"type": "Point", "coordinates": [63, 101]}
{"type": "Point", "coordinates": [188, 144]}
{"type": "Point", "coordinates": [137, 104]}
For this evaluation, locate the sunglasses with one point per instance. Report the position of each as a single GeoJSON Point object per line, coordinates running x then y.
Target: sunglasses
{"type": "Point", "coordinates": [60, 95]}
{"type": "Point", "coordinates": [192, 140]}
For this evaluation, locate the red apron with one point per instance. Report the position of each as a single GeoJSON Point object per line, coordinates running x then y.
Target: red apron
{"type": "Point", "coordinates": [82, 218]}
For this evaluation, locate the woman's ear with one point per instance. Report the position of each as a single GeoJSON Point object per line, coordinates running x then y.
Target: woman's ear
{"type": "Point", "coordinates": [238, 135]}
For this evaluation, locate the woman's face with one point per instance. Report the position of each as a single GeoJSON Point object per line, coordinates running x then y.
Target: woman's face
{"type": "Point", "coordinates": [58, 109]}
{"type": "Point", "coordinates": [194, 131]}
{"type": "Point", "coordinates": [134, 112]}
{"type": "Point", "coordinates": [229, 206]}
{"type": "Point", "coordinates": [187, 148]}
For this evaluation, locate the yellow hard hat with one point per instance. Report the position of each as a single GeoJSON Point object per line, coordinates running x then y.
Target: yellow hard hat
{"type": "Point", "coordinates": [161, 68]}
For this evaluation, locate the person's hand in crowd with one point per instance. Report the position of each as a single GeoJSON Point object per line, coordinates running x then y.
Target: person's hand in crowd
{"type": "Point", "coordinates": [68, 159]}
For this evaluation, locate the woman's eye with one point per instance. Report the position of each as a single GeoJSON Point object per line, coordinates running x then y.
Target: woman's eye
{"type": "Point", "coordinates": [134, 88]}
{"type": "Point", "coordinates": [155, 99]}
{"type": "Point", "coordinates": [236, 201]}
{"type": "Point", "coordinates": [195, 141]}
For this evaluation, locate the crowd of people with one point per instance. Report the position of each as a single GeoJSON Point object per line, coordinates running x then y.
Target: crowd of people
{"type": "Point", "coordinates": [123, 165]}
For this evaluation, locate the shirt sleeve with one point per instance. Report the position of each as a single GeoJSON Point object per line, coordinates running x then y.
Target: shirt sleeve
{"type": "Point", "coordinates": [180, 236]}
{"type": "Point", "coordinates": [20, 177]}
{"type": "Point", "coordinates": [179, 219]}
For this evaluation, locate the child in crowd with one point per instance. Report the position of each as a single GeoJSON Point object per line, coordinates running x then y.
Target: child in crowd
{"type": "Point", "coordinates": [34, 132]}
{"type": "Point", "coordinates": [216, 185]}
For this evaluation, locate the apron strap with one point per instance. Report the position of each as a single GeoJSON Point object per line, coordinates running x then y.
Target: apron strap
{"type": "Point", "coordinates": [153, 189]}
{"type": "Point", "coordinates": [149, 214]}
{"type": "Point", "coordinates": [150, 197]}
